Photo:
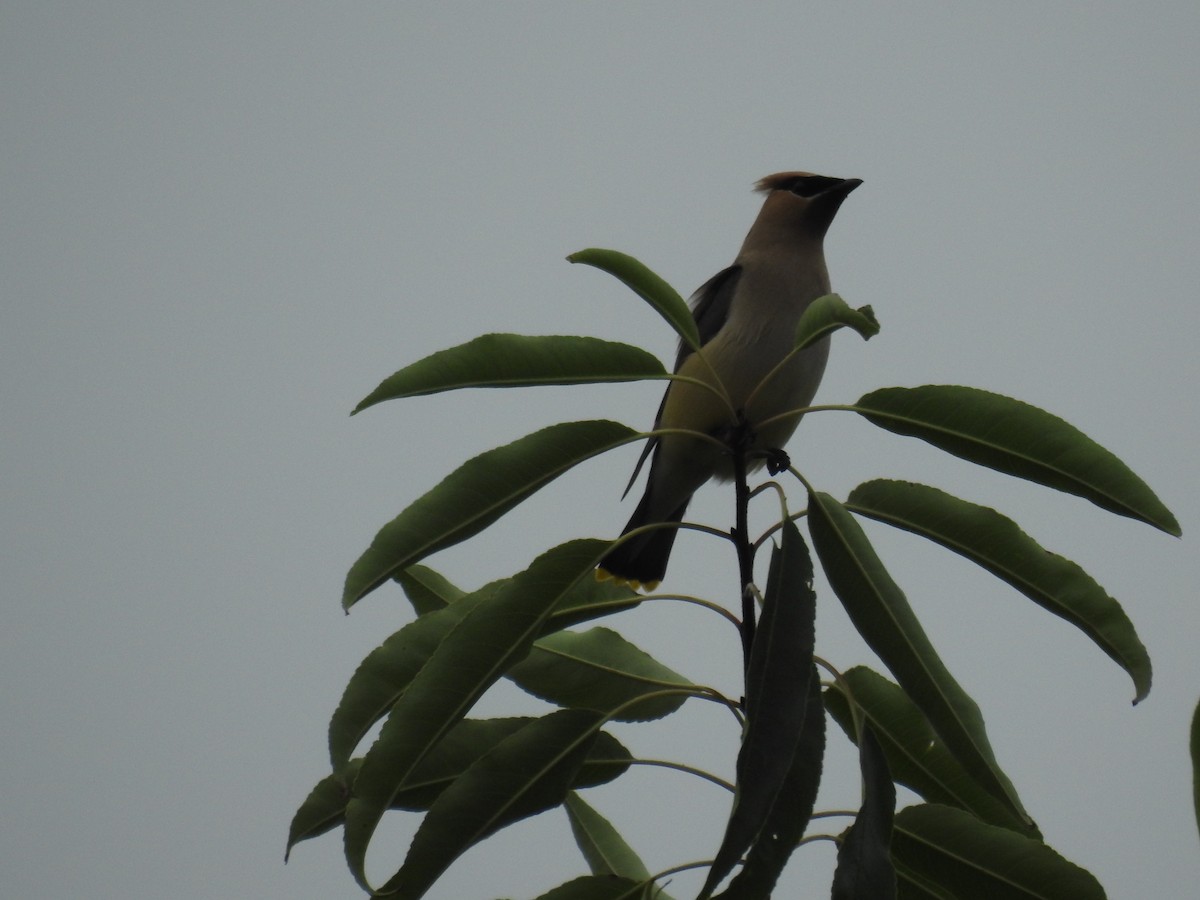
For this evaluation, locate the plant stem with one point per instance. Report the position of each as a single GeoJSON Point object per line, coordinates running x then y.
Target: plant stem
{"type": "Point", "coordinates": [745, 548]}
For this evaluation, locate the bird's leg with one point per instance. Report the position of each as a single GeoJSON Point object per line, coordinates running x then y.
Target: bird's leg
{"type": "Point", "coordinates": [740, 438]}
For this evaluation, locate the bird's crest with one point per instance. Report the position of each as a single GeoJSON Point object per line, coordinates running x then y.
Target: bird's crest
{"type": "Point", "coordinates": [780, 181]}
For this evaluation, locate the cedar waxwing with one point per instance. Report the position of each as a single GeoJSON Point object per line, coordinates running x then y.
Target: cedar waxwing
{"type": "Point", "coordinates": [747, 316]}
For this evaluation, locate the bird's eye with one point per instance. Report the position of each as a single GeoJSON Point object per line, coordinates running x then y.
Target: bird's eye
{"type": "Point", "coordinates": [811, 185]}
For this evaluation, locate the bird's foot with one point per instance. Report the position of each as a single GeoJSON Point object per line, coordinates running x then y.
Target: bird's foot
{"type": "Point", "coordinates": [777, 460]}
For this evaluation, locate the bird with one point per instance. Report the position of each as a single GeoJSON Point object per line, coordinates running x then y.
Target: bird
{"type": "Point", "coordinates": [737, 392]}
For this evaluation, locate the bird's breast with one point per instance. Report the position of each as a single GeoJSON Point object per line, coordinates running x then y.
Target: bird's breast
{"type": "Point", "coordinates": [748, 368]}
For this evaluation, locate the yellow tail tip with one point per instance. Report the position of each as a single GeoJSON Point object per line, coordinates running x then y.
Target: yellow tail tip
{"type": "Point", "coordinates": [603, 575]}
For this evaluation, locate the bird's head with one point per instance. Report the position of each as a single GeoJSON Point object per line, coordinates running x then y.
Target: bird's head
{"type": "Point", "coordinates": [801, 202]}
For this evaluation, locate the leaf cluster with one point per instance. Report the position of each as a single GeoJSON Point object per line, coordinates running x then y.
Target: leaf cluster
{"type": "Point", "coordinates": [468, 777]}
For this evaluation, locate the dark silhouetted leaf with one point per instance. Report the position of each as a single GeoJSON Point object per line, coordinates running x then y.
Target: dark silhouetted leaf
{"type": "Point", "coordinates": [954, 851]}
{"type": "Point", "coordinates": [1195, 749]}
{"type": "Point", "coordinates": [326, 805]}
{"type": "Point", "coordinates": [600, 670]}
{"type": "Point", "coordinates": [323, 809]}
{"type": "Point", "coordinates": [600, 887]}
{"type": "Point", "coordinates": [912, 886]}
{"type": "Point", "coordinates": [601, 845]}
{"type": "Point", "coordinates": [995, 542]}
{"type": "Point", "coordinates": [916, 756]}
{"type": "Point", "coordinates": [472, 656]}
{"type": "Point", "coordinates": [426, 589]}
{"type": "Point", "coordinates": [471, 738]}
{"type": "Point", "coordinates": [883, 617]}
{"type": "Point", "coordinates": [791, 811]}
{"type": "Point", "coordinates": [864, 868]}
{"type": "Point", "coordinates": [387, 670]}
{"type": "Point", "coordinates": [517, 360]}
{"type": "Point", "coordinates": [777, 685]}
{"type": "Point", "coordinates": [475, 495]}
{"type": "Point", "coordinates": [525, 774]}
{"type": "Point", "coordinates": [1018, 439]}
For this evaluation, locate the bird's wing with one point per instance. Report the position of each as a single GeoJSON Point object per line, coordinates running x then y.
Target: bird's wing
{"type": "Point", "coordinates": [710, 308]}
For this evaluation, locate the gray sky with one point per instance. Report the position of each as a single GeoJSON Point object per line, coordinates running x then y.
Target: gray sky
{"type": "Point", "coordinates": [225, 223]}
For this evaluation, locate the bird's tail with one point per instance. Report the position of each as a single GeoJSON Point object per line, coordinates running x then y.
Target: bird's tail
{"type": "Point", "coordinates": [641, 561]}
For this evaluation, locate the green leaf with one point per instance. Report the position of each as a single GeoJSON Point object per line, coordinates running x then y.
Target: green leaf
{"type": "Point", "coordinates": [880, 612]}
{"type": "Point", "coordinates": [791, 811]}
{"type": "Point", "coordinates": [525, 774]}
{"type": "Point", "coordinates": [647, 285]}
{"type": "Point", "coordinates": [325, 807]}
{"type": "Point", "coordinates": [429, 591]}
{"type": "Point", "coordinates": [1195, 749]}
{"type": "Point", "coordinates": [912, 886]}
{"type": "Point", "coordinates": [475, 495]}
{"type": "Point", "coordinates": [599, 670]}
{"type": "Point", "coordinates": [590, 599]}
{"type": "Point", "coordinates": [426, 589]}
{"type": "Point", "coordinates": [829, 313]}
{"type": "Point", "coordinates": [477, 651]}
{"type": "Point", "coordinates": [994, 542]}
{"type": "Point", "coordinates": [601, 887]}
{"type": "Point", "coordinates": [777, 689]}
{"type": "Point", "coordinates": [518, 360]}
{"type": "Point", "coordinates": [601, 844]}
{"type": "Point", "coordinates": [1017, 439]}
{"type": "Point", "coordinates": [969, 858]}
{"type": "Point", "coordinates": [472, 738]}
{"type": "Point", "coordinates": [864, 867]}
{"type": "Point", "coordinates": [387, 670]}
{"type": "Point", "coordinates": [916, 756]}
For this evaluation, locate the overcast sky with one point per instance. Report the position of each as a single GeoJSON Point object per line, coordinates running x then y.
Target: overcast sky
{"type": "Point", "coordinates": [224, 223]}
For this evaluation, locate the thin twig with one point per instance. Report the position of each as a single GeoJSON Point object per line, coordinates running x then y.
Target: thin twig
{"type": "Point", "coordinates": [744, 545]}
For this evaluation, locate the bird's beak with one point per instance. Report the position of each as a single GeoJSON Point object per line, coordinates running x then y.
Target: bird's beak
{"type": "Point", "coordinates": [825, 205]}
{"type": "Point", "coordinates": [841, 190]}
